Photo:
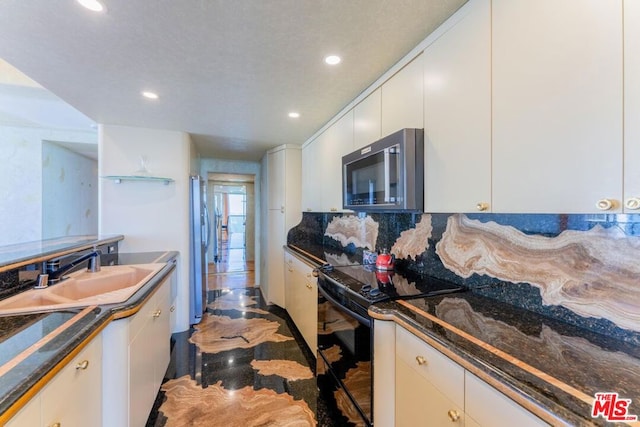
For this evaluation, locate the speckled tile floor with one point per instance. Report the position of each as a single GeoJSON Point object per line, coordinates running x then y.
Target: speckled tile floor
{"type": "Point", "coordinates": [245, 364]}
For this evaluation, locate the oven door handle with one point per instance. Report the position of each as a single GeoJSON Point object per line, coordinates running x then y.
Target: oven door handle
{"type": "Point", "coordinates": [359, 318]}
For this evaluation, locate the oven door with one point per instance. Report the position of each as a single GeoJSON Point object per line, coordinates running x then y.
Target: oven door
{"type": "Point", "coordinates": [344, 358]}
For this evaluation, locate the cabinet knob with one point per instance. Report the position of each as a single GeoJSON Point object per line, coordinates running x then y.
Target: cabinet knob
{"type": "Point", "coordinates": [281, 209]}
{"type": "Point", "coordinates": [56, 425]}
{"type": "Point", "coordinates": [172, 309]}
{"type": "Point", "coordinates": [314, 272]}
{"type": "Point", "coordinates": [453, 415]}
{"type": "Point", "coordinates": [482, 206]}
{"type": "Point", "coordinates": [604, 204]}
{"type": "Point", "coordinates": [82, 365]}
{"type": "Point", "coordinates": [309, 286]}
{"type": "Point", "coordinates": [632, 203]}
{"type": "Point", "coordinates": [421, 360]}
{"type": "Point", "coordinates": [334, 209]}
{"type": "Point", "coordinates": [157, 313]}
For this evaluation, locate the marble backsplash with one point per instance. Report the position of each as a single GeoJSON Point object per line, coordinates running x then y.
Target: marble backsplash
{"type": "Point", "coordinates": [581, 269]}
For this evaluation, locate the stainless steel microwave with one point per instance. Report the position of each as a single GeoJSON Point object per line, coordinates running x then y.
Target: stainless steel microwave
{"type": "Point", "coordinates": [387, 175]}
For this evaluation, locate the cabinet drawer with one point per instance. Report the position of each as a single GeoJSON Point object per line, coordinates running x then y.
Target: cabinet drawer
{"type": "Point", "coordinates": [151, 309]}
{"type": "Point", "coordinates": [74, 396]}
{"type": "Point", "coordinates": [488, 407]}
{"type": "Point", "coordinates": [444, 374]}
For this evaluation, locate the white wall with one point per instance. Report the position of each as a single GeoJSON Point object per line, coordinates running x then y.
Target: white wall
{"type": "Point", "coordinates": [69, 192]}
{"type": "Point", "coordinates": [21, 179]}
{"type": "Point", "coordinates": [152, 216]}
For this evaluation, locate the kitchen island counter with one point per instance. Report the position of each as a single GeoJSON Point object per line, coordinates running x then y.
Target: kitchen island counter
{"type": "Point", "coordinates": [35, 346]}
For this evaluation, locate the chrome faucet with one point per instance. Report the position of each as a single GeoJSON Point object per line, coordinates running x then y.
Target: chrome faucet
{"type": "Point", "coordinates": [53, 274]}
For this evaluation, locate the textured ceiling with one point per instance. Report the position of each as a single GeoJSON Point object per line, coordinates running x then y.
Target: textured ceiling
{"type": "Point", "coordinates": [227, 71]}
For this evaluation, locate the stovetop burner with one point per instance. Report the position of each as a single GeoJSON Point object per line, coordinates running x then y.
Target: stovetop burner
{"type": "Point", "coordinates": [371, 285]}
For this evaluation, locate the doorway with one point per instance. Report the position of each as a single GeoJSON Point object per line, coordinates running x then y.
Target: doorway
{"type": "Point", "coordinates": [232, 210]}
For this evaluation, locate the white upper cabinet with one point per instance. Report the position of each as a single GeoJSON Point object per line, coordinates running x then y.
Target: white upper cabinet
{"type": "Point", "coordinates": [276, 179]}
{"type": "Point", "coordinates": [311, 171]}
{"type": "Point", "coordinates": [366, 120]}
{"type": "Point", "coordinates": [402, 99]}
{"type": "Point", "coordinates": [632, 106]}
{"type": "Point", "coordinates": [457, 113]}
{"type": "Point", "coordinates": [334, 142]}
{"type": "Point", "coordinates": [557, 105]}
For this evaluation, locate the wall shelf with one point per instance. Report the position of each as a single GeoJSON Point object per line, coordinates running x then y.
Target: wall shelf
{"type": "Point", "coordinates": [119, 178]}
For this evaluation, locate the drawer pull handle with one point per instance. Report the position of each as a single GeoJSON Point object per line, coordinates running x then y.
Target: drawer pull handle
{"type": "Point", "coordinates": [421, 360]}
{"type": "Point", "coordinates": [173, 308]}
{"type": "Point", "coordinates": [82, 365]}
{"type": "Point", "coordinates": [157, 313]}
{"type": "Point", "coordinates": [633, 203]}
{"type": "Point", "coordinates": [604, 204]}
{"type": "Point", "coordinates": [56, 425]}
{"type": "Point", "coordinates": [453, 415]}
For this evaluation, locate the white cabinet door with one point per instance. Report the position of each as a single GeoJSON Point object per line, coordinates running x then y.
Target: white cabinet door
{"type": "Point", "coordinates": [277, 239]}
{"type": "Point", "coordinates": [457, 113]}
{"type": "Point", "coordinates": [160, 335]}
{"type": "Point", "coordinates": [311, 173]}
{"type": "Point", "coordinates": [148, 354]}
{"type": "Point", "coordinates": [445, 375]}
{"type": "Point", "coordinates": [74, 396]}
{"type": "Point", "coordinates": [557, 105]}
{"type": "Point", "coordinates": [632, 105]}
{"type": "Point", "coordinates": [301, 296]}
{"type": "Point", "coordinates": [401, 99]}
{"type": "Point", "coordinates": [29, 415]}
{"type": "Point", "coordinates": [276, 179]}
{"type": "Point", "coordinates": [136, 356]}
{"type": "Point", "coordinates": [334, 142]}
{"type": "Point", "coordinates": [490, 408]}
{"type": "Point", "coordinates": [418, 400]}
{"type": "Point", "coordinates": [366, 120]}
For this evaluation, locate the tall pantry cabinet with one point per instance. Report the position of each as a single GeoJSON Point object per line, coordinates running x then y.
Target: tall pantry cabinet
{"type": "Point", "coordinates": [282, 180]}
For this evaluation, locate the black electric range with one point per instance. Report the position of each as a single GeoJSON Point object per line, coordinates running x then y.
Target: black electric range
{"type": "Point", "coordinates": [345, 349]}
{"type": "Point", "coordinates": [358, 286]}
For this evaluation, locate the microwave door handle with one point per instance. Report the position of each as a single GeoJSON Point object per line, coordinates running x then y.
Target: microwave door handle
{"type": "Point", "coordinates": [387, 178]}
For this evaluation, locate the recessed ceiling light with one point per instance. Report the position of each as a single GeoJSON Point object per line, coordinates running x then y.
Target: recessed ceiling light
{"type": "Point", "coordinates": [150, 95]}
{"type": "Point", "coordinates": [294, 115]}
{"type": "Point", "coordinates": [332, 59]}
{"type": "Point", "coordinates": [93, 5]}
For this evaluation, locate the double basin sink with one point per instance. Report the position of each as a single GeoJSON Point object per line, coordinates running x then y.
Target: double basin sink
{"type": "Point", "coordinates": [111, 285]}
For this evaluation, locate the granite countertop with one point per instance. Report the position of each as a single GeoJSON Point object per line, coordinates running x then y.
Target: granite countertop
{"type": "Point", "coordinates": [552, 368]}
{"type": "Point", "coordinates": [32, 344]}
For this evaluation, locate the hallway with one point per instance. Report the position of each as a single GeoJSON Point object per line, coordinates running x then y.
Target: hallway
{"type": "Point", "coordinates": [244, 365]}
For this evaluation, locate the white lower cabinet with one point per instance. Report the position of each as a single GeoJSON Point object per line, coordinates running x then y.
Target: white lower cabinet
{"type": "Point", "coordinates": [72, 398]}
{"type": "Point", "coordinates": [433, 390]}
{"type": "Point", "coordinates": [429, 386]}
{"type": "Point", "coordinates": [488, 407]}
{"type": "Point", "coordinates": [301, 294]}
{"type": "Point", "coordinates": [136, 356]}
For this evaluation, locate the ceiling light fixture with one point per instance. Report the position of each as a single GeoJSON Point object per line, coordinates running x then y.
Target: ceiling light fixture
{"type": "Point", "coordinates": [150, 95]}
{"type": "Point", "coordinates": [332, 59]}
{"type": "Point", "coordinates": [294, 115]}
{"type": "Point", "coordinates": [93, 5]}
